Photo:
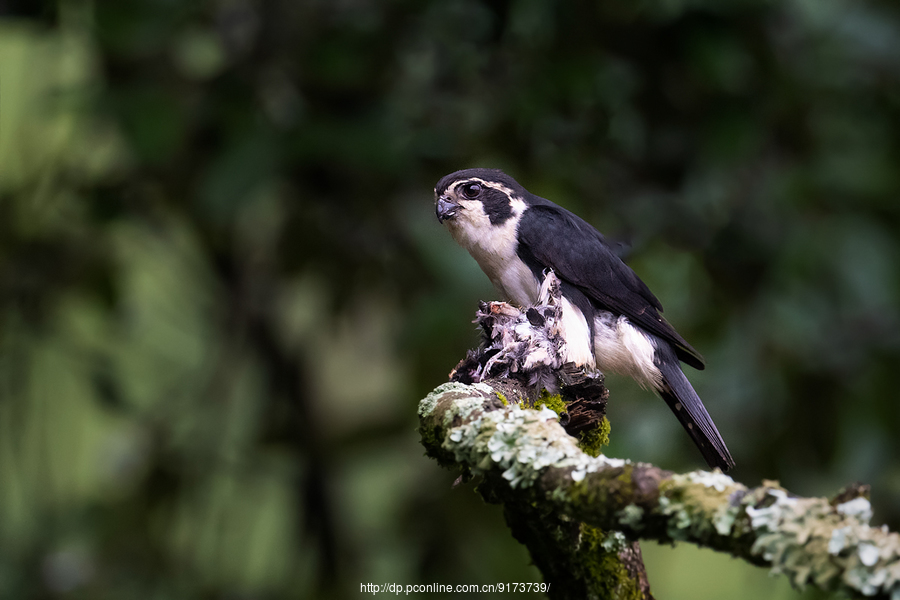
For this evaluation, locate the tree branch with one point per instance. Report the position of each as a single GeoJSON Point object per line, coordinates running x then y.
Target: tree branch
{"type": "Point", "coordinates": [536, 470]}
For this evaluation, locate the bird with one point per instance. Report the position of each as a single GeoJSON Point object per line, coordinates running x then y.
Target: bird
{"type": "Point", "coordinates": [610, 320]}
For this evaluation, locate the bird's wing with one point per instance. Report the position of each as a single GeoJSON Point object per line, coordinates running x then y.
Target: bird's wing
{"type": "Point", "coordinates": [553, 237]}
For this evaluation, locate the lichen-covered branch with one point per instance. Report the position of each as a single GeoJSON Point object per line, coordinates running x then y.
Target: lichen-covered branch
{"type": "Point", "coordinates": [528, 460]}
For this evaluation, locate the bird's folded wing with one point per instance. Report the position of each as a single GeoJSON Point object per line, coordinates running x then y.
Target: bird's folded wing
{"type": "Point", "coordinates": [550, 236]}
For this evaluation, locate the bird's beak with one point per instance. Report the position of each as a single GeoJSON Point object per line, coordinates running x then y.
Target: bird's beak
{"type": "Point", "coordinates": [445, 208]}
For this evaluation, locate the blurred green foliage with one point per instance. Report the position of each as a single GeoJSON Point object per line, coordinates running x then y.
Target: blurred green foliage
{"type": "Point", "coordinates": [223, 290]}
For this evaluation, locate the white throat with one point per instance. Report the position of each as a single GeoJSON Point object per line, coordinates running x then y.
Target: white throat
{"type": "Point", "coordinates": [494, 249]}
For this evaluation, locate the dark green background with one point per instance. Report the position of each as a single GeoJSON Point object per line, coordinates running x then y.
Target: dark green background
{"type": "Point", "coordinates": [223, 289]}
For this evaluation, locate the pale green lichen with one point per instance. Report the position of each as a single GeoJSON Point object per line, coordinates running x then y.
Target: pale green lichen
{"type": "Point", "coordinates": [791, 530]}
{"type": "Point", "coordinates": [429, 402]}
{"type": "Point", "coordinates": [679, 523]}
{"type": "Point", "coordinates": [464, 409]}
{"type": "Point", "coordinates": [806, 539]}
{"type": "Point", "coordinates": [697, 511]}
{"type": "Point", "coordinates": [520, 442]}
{"type": "Point", "coordinates": [632, 516]}
{"type": "Point", "coordinates": [859, 508]}
{"type": "Point", "coordinates": [615, 541]}
{"type": "Point", "coordinates": [459, 401]}
{"type": "Point", "coordinates": [515, 440]}
{"type": "Point", "coordinates": [714, 479]}
{"type": "Point", "coordinates": [725, 518]}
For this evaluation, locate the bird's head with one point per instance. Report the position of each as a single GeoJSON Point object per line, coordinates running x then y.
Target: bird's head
{"type": "Point", "coordinates": [476, 198]}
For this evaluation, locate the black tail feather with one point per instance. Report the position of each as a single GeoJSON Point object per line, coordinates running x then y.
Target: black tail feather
{"type": "Point", "coordinates": [678, 393]}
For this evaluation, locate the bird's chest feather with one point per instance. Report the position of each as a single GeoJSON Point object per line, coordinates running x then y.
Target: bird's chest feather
{"type": "Point", "coordinates": [493, 246]}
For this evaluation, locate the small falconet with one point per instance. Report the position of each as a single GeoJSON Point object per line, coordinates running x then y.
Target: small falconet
{"type": "Point", "coordinates": [610, 319]}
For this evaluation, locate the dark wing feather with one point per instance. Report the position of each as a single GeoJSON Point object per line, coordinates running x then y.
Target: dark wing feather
{"type": "Point", "coordinates": [551, 236]}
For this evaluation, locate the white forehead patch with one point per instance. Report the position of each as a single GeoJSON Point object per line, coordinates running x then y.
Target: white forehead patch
{"type": "Point", "coordinates": [489, 184]}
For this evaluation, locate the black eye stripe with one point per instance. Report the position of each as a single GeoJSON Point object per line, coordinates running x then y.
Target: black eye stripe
{"type": "Point", "coordinates": [496, 205]}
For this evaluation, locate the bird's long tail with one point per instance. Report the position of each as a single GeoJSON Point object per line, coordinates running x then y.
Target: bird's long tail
{"type": "Point", "coordinates": [678, 393]}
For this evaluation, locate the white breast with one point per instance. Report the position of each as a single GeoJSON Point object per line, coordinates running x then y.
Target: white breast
{"type": "Point", "coordinates": [494, 249]}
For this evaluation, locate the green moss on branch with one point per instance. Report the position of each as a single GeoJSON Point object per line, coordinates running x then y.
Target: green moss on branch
{"type": "Point", "coordinates": [529, 460]}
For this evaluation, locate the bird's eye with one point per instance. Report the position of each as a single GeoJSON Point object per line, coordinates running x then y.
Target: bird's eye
{"type": "Point", "coordinates": [471, 190]}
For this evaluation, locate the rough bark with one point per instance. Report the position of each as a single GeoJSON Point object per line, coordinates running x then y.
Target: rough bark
{"type": "Point", "coordinates": [568, 507]}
